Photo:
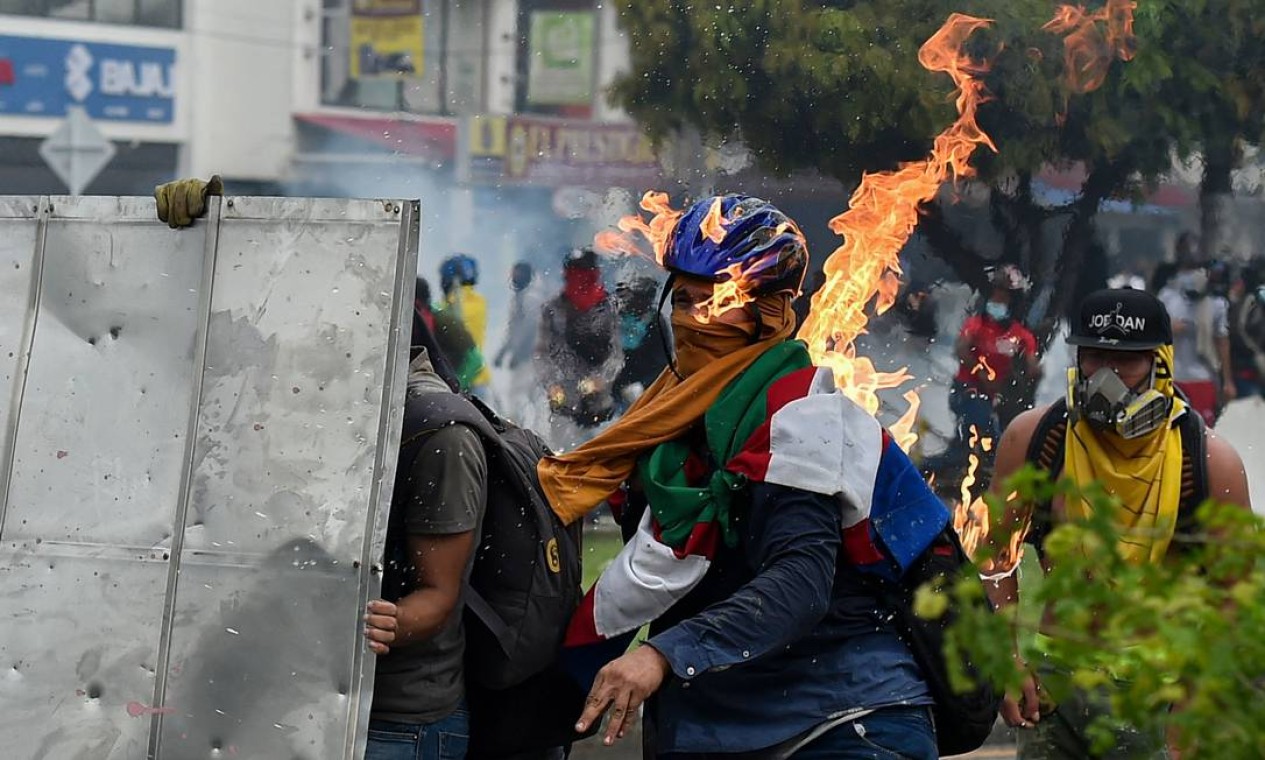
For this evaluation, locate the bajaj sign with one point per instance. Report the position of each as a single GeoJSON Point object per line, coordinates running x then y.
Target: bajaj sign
{"type": "Point", "coordinates": [111, 82]}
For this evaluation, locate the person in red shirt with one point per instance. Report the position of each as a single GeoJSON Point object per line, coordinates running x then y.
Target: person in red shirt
{"type": "Point", "coordinates": [993, 349]}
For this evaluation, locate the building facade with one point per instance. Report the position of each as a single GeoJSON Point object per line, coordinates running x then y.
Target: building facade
{"type": "Point", "coordinates": [115, 59]}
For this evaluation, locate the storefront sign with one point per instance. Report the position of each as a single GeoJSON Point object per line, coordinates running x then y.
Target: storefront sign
{"type": "Point", "coordinates": [386, 38]}
{"type": "Point", "coordinates": [45, 77]}
{"type": "Point", "coordinates": [551, 152]}
{"type": "Point", "coordinates": [561, 69]}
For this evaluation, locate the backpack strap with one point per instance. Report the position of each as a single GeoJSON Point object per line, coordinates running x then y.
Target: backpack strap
{"type": "Point", "coordinates": [1194, 489]}
{"type": "Point", "coordinates": [1046, 448]}
{"type": "Point", "coordinates": [1045, 451]}
{"type": "Point", "coordinates": [428, 411]}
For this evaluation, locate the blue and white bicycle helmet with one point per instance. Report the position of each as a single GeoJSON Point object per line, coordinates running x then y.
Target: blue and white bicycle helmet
{"type": "Point", "coordinates": [766, 243]}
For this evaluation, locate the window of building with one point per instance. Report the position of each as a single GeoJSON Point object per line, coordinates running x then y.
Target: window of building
{"type": "Point", "coordinates": [557, 58]}
{"type": "Point", "coordinates": [160, 13]}
{"type": "Point", "coordinates": [395, 55]}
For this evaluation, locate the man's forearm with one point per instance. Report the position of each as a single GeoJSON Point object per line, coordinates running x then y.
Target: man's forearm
{"type": "Point", "coordinates": [421, 615]}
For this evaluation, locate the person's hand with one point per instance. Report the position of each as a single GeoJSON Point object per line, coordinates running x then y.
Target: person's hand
{"type": "Point", "coordinates": [1228, 391]}
{"type": "Point", "coordinates": [557, 397]}
{"type": "Point", "coordinates": [622, 686]}
{"type": "Point", "coordinates": [1022, 710]}
{"type": "Point", "coordinates": [380, 625]}
{"type": "Point", "coordinates": [184, 200]}
{"type": "Point", "coordinates": [592, 385]}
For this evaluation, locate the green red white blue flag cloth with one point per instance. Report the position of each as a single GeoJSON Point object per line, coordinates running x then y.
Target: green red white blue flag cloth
{"type": "Point", "coordinates": [813, 438]}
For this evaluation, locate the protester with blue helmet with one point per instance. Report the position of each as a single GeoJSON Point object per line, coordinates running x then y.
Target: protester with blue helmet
{"type": "Point", "coordinates": [764, 244]}
{"type": "Point", "coordinates": [458, 274]}
{"type": "Point", "coordinates": [766, 634]}
{"type": "Point", "coordinates": [458, 269]}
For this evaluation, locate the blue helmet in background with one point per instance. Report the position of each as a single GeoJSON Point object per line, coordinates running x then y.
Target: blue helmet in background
{"type": "Point", "coordinates": [459, 269]}
{"type": "Point", "coordinates": [765, 243]}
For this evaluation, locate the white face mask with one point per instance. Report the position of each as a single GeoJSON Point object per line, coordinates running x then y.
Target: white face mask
{"type": "Point", "coordinates": [998, 312]}
{"type": "Point", "coordinates": [1194, 283]}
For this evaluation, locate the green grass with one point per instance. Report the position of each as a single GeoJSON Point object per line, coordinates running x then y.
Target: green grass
{"type": "Point", "coordinates": [600, 547]}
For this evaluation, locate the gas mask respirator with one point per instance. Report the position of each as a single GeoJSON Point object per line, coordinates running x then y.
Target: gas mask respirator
{"type": "Point", "coordinates": [1108, 404]}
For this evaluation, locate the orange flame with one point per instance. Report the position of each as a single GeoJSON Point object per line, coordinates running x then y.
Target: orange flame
{"type": "Point", "coordinates": [903, 429]}
{"type": "Point", "coordinates": [970, 522]}
{"type": "Point", "coordinates": [1093, 40]}
{"type": "Point", "coordinates": [657, 231]}
{"type": "Point", "coordinates": [982, 364]}
{"type": "Point", "coordinates": [882, 214]}
{"type": "Point", "coordinates": [713, 225]}
{"type": "Point", "coordinates": [732, 293]}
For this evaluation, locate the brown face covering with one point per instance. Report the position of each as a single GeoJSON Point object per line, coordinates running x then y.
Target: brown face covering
{"type": "Point", "coordinates": [710, 355]}
{"type": "Point", "coordinates": [698, 343]}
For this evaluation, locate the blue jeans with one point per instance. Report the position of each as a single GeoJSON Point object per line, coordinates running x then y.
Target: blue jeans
{"type": "Point", "coordinates": [973, 409]}
{"type": "Point", "coordinates": [890, 733]}
{"type": "Point", "coordinates": [445, 739]}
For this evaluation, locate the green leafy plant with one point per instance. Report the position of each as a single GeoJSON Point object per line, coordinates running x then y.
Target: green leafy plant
{"type": "Point", "coordinates": [1179, 645]}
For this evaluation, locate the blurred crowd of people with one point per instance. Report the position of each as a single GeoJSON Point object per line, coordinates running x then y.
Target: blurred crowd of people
{"type": "Point", "coordinates": [1218, 316]}
{"type": "Point", "coordinates": [1218, 313]}
{"type": "Point", "coordinates": [581, 355]}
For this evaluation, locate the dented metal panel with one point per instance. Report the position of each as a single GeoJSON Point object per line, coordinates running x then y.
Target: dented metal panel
{"type": "Point", "coordinates": [200, 447]}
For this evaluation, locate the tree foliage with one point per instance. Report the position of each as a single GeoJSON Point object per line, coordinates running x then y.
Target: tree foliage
{"type": "Point", "coordinates": [836, 87]}
{"type": "Point", "coordinates": [1188, 634]}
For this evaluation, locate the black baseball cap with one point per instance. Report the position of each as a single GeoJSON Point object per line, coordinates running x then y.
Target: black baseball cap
{"type": "Point", "coordinates": [1122, 319]}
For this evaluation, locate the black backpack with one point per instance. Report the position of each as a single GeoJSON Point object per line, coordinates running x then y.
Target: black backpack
{"type": "Point", "coordinates": [1046, 449]}
{"type": "Point", "coordinates": [963, 720]}
{"type": "Point", "coordinates": [524, 585]}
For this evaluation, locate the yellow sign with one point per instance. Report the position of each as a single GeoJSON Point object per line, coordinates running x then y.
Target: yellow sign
{"type": "Point", "coordinates": [487, 136]}
{"type": "Point", "coordinates": [386, 38]}
{"type": "Point", "coordinates": [555, 152]}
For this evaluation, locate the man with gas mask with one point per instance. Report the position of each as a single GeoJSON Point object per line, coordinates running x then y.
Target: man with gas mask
{"type": "Point", "coordinates": [1123, 425]}
{"type": "Point", "coordinates": [761, 499]}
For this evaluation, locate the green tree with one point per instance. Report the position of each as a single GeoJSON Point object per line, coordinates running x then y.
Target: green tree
{"type": "Point", "coordinates": [1213, 79]}
{"type": "Point", "coordinates": [836, 87]}
{"type": "Point", "coordinates": [1189, 633]}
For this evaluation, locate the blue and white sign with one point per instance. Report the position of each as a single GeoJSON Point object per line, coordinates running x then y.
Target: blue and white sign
{"type": "Point", "coordinates": [44, 77]}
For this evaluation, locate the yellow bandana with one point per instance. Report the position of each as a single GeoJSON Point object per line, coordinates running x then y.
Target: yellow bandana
{"type": "Point", "coordinates": [1143, 474]}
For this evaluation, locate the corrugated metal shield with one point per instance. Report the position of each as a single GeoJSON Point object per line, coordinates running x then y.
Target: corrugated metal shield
{"type": "Point", "coordinates": [199, 430]}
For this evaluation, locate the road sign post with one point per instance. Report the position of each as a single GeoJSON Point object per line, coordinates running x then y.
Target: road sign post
{"type": "Point", "coordinates": [77, 151]}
